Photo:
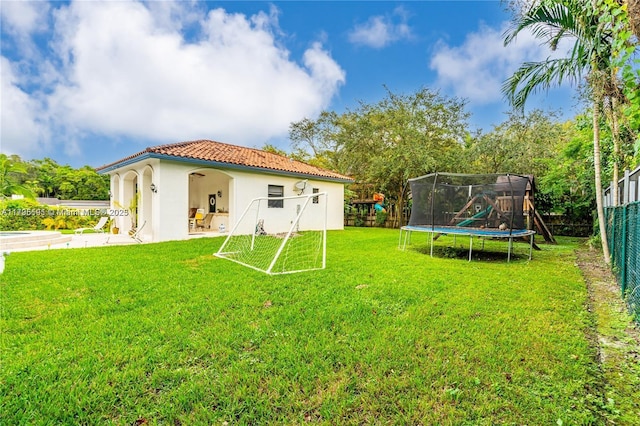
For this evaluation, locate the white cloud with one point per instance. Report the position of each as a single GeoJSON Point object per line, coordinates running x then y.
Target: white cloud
{"type": "Point", "coordinates": [174, 15]}
{"type": "Point", "coordinates": [19, 21]}
{"type": "Point", "coordinates": [229, 80]}
{"type": "Point", "coordinates": [327, 74]}
{"type": "Point", "coordinates": [476, 69]}
{"type": "Point", "coordinates": [23, 17]}
{"type": "Point", "coordinates": [380, 31]}
{"type": "Point", "coordinates": [22, 132]}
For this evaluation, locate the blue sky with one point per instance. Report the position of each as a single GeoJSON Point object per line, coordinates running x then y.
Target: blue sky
{"type": "Point", "coordinates": [91, 82]}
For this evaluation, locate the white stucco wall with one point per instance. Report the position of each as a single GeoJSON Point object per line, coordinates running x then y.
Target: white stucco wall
{"type": "Point", "coordinates": [178, 190]}
{"type": "Point", "coordinates": [248, 186]}
{"type": "Point", "coordinates": [173, 195]}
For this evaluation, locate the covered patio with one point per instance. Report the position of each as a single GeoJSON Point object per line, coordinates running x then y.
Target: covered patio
{"type": "Point", "coordinates": [209, 200]}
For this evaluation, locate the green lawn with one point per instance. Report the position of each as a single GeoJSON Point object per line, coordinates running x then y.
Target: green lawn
{"type": "Point", "coordinates": [169, 334]}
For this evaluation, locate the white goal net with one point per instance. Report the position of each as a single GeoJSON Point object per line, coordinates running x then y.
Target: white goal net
{"type": "Point", "coordinates": [280, 235]}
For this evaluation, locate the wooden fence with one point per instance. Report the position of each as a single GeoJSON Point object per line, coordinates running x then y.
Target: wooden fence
{"type": "Point", "coordinates": [362, 213]}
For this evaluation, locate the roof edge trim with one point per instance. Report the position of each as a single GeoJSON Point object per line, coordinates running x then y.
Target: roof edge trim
{"type": "Point", "coordinates": [216, 164]}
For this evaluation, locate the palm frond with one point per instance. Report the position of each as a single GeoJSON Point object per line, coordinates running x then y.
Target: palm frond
{"type": "Point", "coordinates": [551, 22]}
{"type": "Point", "coordinates": [546, 22]}
{"type": "Point", "coordinates": [533, 77]}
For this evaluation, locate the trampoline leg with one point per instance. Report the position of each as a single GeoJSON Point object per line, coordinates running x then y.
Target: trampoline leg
{"type": "Point", "coordinates": [470, 247]}
{"type": "Point", "coordinates": [432, 234]}
{"type": "Point", "coordinates": [531, 247]}
{"type": "Point", "coordinates": [509, 255]}
{"type": "Point", "coordinates": [407, 237]}
{"type": "Point", "coordinates": [402, 244]}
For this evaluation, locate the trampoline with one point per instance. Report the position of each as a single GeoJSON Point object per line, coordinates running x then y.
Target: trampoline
{"type": "Point", "coordinates": [471, 232]}
{"type": "Point", "coordinates": [485, 206]}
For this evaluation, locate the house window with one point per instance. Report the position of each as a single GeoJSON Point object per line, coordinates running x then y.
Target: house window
{"type": "Point", "coordinates": [276, 191]}
{"type": "Point", "coordinates": [316, 200]}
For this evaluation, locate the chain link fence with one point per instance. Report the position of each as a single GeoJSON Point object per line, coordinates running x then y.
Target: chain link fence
{"type": "Point", "coordinates": [623, 231]}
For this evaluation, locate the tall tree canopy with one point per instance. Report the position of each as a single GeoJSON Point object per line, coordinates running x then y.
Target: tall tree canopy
{"type": "Point", "coordinates": [386, 143]}
{"type": "Point", "coordinates": [523, 143]}
{"type": "Point", "coordinates": [47, 178]}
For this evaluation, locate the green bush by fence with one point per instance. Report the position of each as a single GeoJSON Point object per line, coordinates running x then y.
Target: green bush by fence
{"type": "Point", "coordinates": [25, 214]}
{"type": "Point", "coordinates": [623, 230]}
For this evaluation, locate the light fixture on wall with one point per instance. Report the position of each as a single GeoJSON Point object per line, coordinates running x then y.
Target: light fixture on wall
{"type": "Point", "coordinates": [154, 188]}
{"type": "Point", "coordinates": [219, 194]}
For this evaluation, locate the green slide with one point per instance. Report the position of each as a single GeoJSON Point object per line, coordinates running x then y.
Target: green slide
{"type": "Point", "coordinates": [478, 215]}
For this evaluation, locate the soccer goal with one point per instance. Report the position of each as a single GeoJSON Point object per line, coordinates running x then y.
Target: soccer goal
{"type": "Point", "coordinates": [280, 235]}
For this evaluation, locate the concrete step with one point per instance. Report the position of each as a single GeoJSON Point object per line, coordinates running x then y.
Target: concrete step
{"type": "Point", "coordinates": [25, 239]}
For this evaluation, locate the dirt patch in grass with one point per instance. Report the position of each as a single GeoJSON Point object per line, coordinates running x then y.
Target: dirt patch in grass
{"type": "Point", "coordinates": [477, 254]}
{"type": "Point", "coordinates": [616, 337]}
{"type": "Point", "coordinates": [197, 262]}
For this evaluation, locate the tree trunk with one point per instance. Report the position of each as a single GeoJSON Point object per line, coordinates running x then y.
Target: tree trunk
{"type": "Point", "coordinates": [400, 207]}
{"type": "Point", "coordinates": [612, 112]}
{"type": "Point", "coordinates": [633, 10]}
{"type": "Point", "coordinates": [616, 150]}
{"type": "Point", "coordinates": [598, 181]}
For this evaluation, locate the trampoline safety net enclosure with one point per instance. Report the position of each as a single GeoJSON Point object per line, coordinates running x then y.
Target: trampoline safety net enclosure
{"type": "Point", "coordinates": [487, 205]}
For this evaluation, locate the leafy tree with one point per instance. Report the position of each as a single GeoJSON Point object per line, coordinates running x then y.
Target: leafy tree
{"type": "Point", "coordinates": [12, 173]}
{"type": "Point", "coordinates": [538, 143]}
{"type": "Point", "coordinates": [90, 185]}
{"type": "Point", "coordinates": [522, 144]}
{"type": "Point", "coordinates": [43, 171]}
{"type": "Point", "coordinates": [404, 136]}
{"type": "Point", "coordinates": [274, 150]}
{"type": "Point", "coordinates": [296, 155]}
{"type": "Point", "coordinates": [34, 186]}
{"type": "Point", "coordinates": [568, 184]}
{"type": "Point", "coordinates": [315, 141]}
{"type": "Point", "coordinates": [54, 180]}
{"type": "Point", "coordinates": [386, 143]}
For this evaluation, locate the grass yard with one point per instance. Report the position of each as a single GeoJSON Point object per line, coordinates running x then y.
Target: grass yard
{"type": "Point", "coordinates": [169, 334]}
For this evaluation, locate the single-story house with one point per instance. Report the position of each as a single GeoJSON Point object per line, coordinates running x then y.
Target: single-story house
{"type": "Point", "coordinates": [160, 189]}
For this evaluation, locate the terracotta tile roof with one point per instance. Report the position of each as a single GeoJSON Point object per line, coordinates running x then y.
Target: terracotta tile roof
{"type": "Point", "coordinates": [218, 152]}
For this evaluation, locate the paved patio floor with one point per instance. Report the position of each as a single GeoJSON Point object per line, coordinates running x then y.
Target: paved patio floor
{"type": "Point", "coordinates": [103, 240]}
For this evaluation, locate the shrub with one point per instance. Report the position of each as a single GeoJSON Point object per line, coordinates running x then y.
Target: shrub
{"type": "Point", "coordinates": [24, 214]}
{"type": "Point", "coordinates": [28, 214]}
{"type": "Point", "coordinates": [66, 218]}
{"type": "Point", "coordinates": [381, 218]}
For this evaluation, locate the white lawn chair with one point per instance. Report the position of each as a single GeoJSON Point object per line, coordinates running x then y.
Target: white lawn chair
{"type": "Point", "coordinates": [136, 232]}
{"type": "Point", "coordinates": [97, 228]}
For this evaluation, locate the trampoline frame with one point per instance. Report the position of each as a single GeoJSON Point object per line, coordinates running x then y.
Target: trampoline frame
{"type": "Point", "coordinates": [478, 232]}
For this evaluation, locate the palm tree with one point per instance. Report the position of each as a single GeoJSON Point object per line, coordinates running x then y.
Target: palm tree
{"type": "Point", "coordinates": [551, 22]}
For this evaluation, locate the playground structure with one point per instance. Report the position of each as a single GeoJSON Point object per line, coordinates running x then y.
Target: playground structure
{"type": "Point", "coordinates": [379, 205]}
{"type": "Point", "coordinates": [486, 206]}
